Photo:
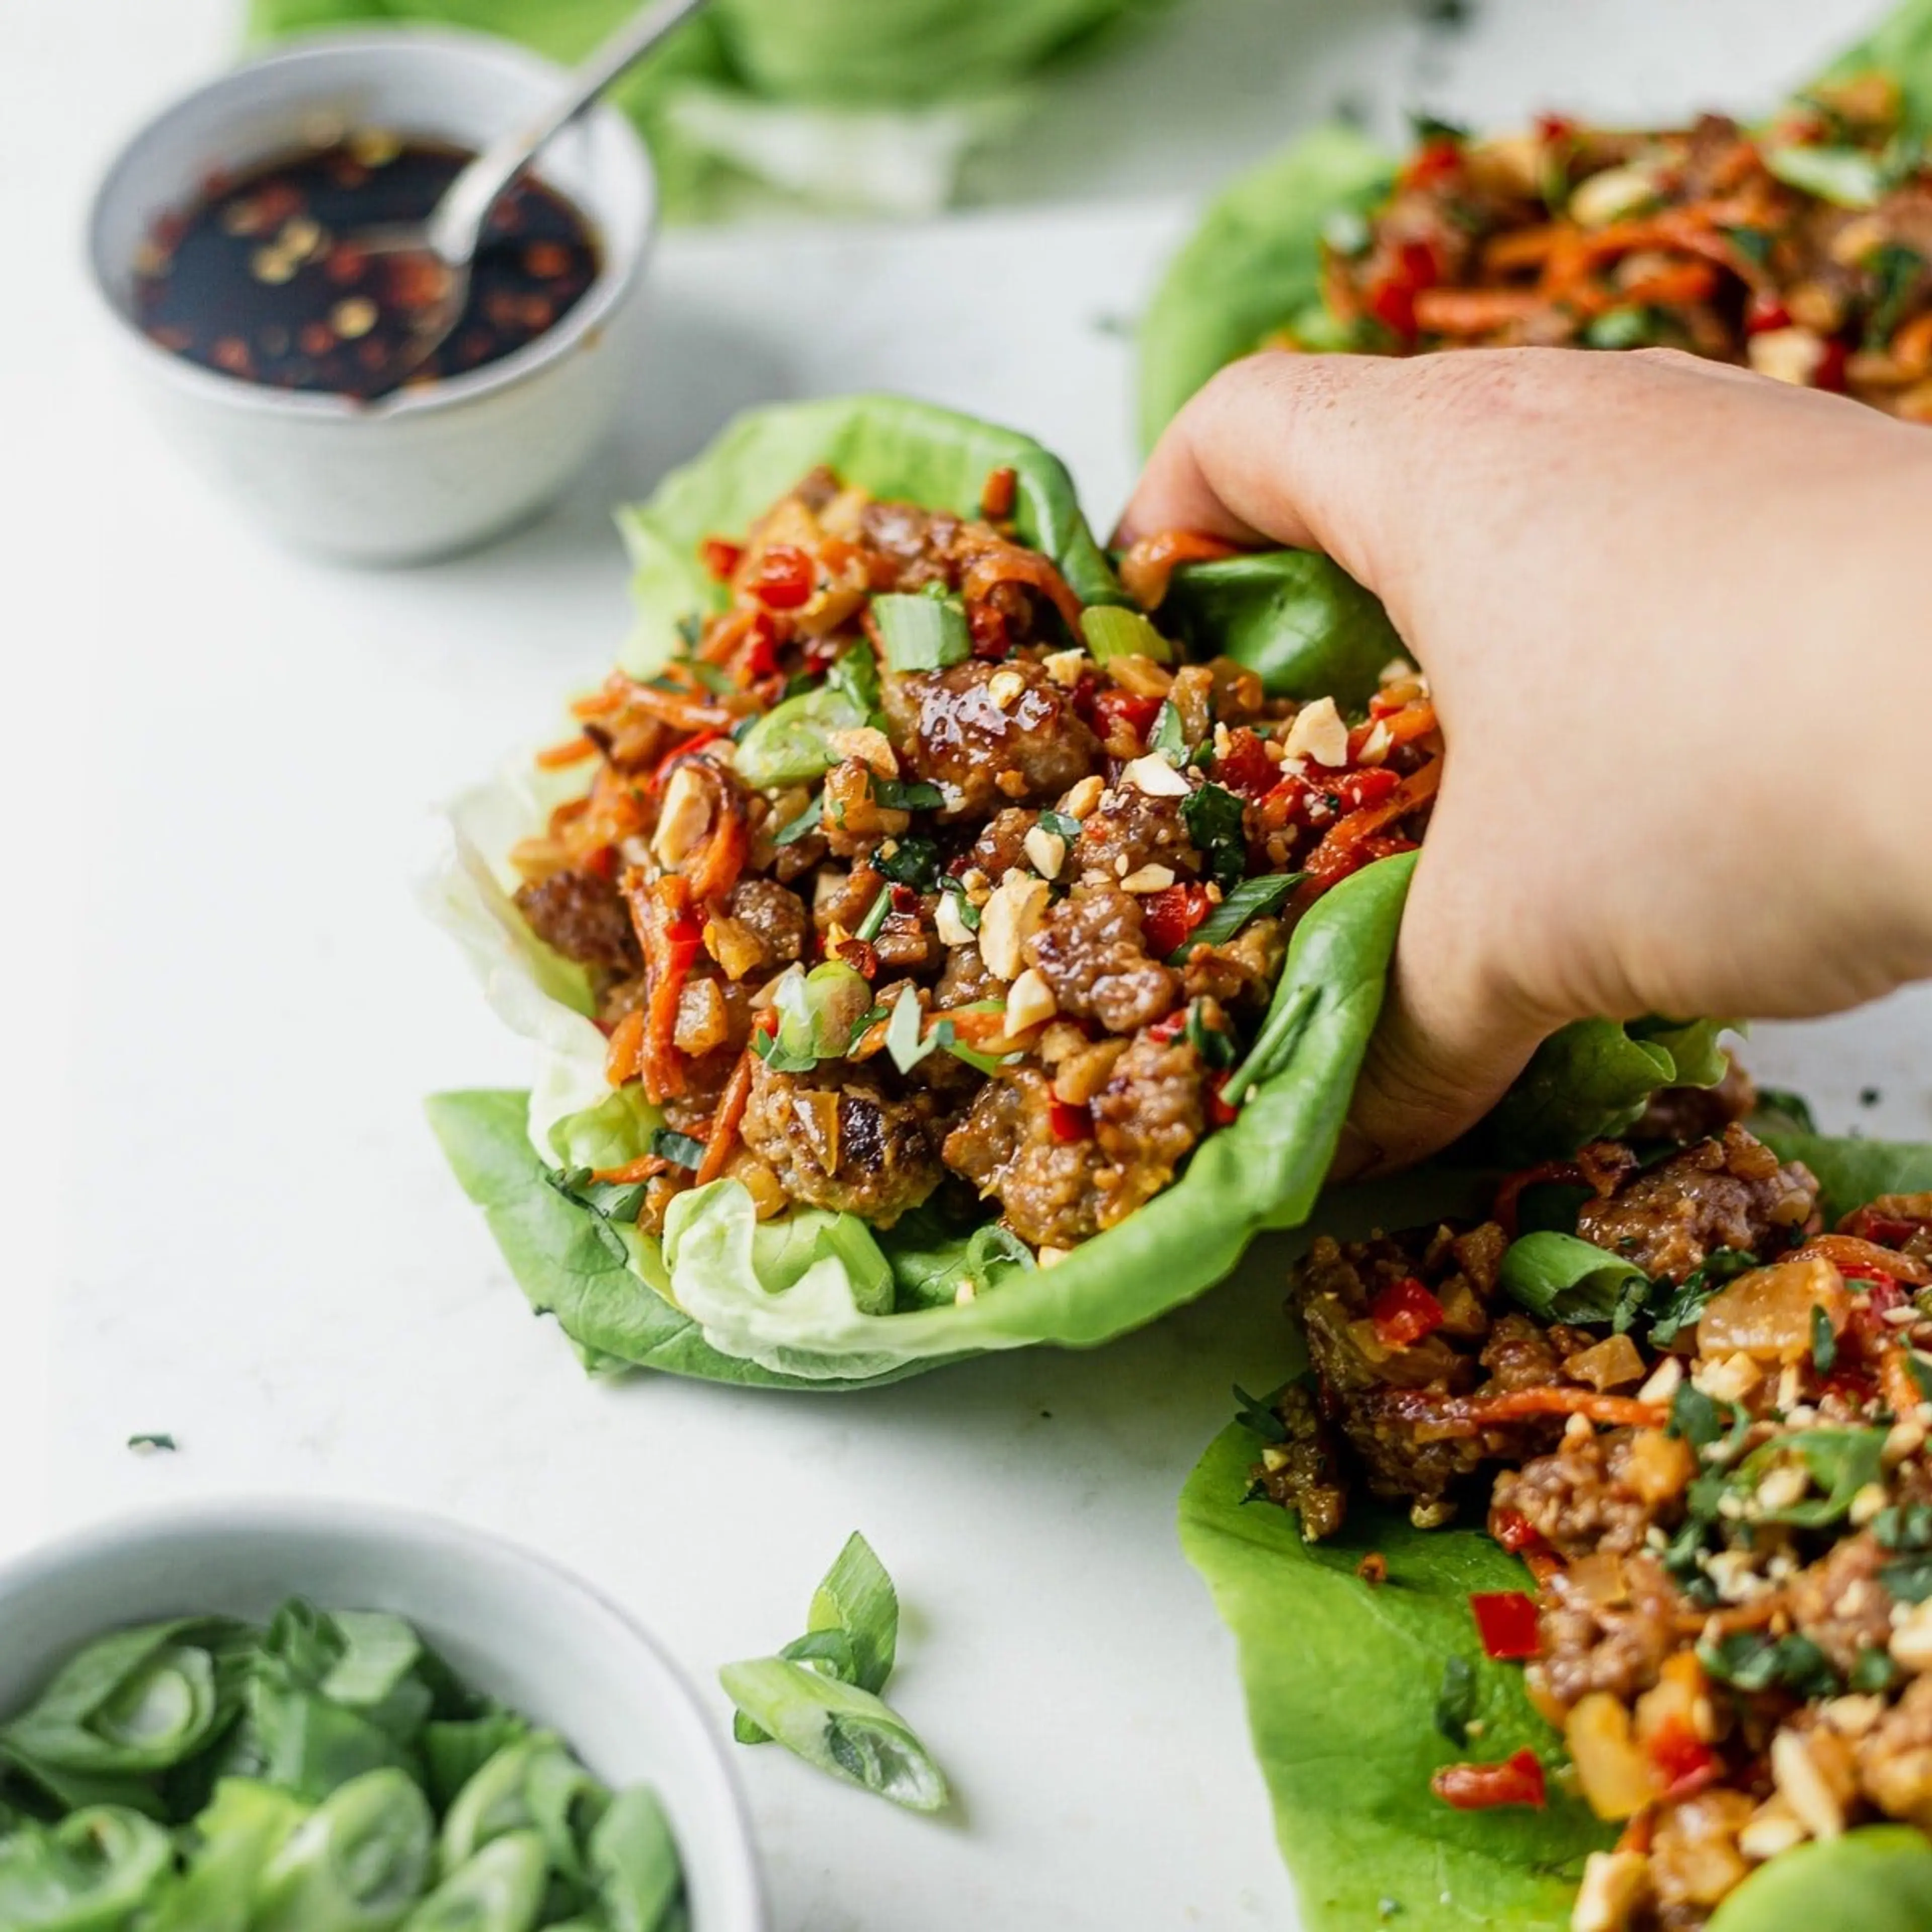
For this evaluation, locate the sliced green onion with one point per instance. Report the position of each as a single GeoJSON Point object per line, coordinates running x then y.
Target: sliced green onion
{"type": "Point", "coordinates": [922, 633]}
{"type": "Point", "coordinates": [1561, 1277]}
{"type": "Point", "coordinates": [902, 1032]}
{"type": "Point", "coordinates": [634, 1864]}
{"type": "Point", "coordinates": [93, 1870]}
{"type": "Point", "coordinates": [873, 923]}
{"type": "Point", "coordinates": [1111, 631]}
{"type": "Point", "coordinates": [982, 1063]}
{"type": "Point", "coordinates": [857, 1598]}
{"type": "Point", "coordinates": [1247, 900]}
{"type": "Point", "coordinates": [1845, 177]}
{"type": "Point", "coordinates": [791, 744]}
{"type": "Point", "coordinates": [1633, 326]}
{"type": "Point", "coordinates": [820, 1013]}
{"type": "Point", "coordinates": [360, 1858]}
{"type": "Point", "coordinates": [840, 1728]}
{"type": "Point", "coordinates": [793, 830]}
{"type": "Point", "coordinates": [501, 1889]}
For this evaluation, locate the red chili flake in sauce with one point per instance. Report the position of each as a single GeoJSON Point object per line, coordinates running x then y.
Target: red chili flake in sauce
{"type": "Point", "coordinates": [1404, 1313]}
{"type": "Point", "coordinates": [1685, 1762]}
{"type": "Point", "coordinates": [1069, 1122]}
{"type": "Point", "coordinates": [246, 280]}
{"type": "Point", "coordinates": [720, 557]}
{"type": "Point", "coordinates": [1137, 712]}
{"type": "Point", "coordinates": [1245, 767]}
{"type": "Point", "coordinates": [1518, 1780]}
{"type": "Point", "coordinates": [1506, 1622]}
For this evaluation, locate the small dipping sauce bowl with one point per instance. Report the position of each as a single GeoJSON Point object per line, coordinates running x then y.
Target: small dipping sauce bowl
{"type": "Point", "coordinates": [433, 467]}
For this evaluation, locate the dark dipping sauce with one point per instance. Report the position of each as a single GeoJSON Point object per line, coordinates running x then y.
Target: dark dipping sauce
{"type": "Point", "coordinates": [257, 279]}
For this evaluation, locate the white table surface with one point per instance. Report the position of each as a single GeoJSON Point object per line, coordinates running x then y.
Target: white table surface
{"type": "Point", "coordinates": [223, 1009]}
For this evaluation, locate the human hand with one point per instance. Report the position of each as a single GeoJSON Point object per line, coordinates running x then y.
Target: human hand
{"type": "Point", "coordinates": [1676, 622]}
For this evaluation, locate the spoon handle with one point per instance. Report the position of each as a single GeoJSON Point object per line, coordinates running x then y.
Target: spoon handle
{"type": "Point", "coordinates": [457, 226]}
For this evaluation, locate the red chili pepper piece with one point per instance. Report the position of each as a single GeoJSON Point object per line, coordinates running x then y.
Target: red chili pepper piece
{"type": "Point", "coordinates": [1506, 1622]}
{"type": "Point", "coordinates": [1404, 1313]}
{"type": "Point", "coordinates": [996, 500]}
{"type": "Point", "coordinates": [1513, 1531]}
{"type": "Point", "coordinates": [1245, 767]}
{"type": "Point", "coordinates": [1222, 1112]}
{"type": "Point", "coordinates": [1830, 374]}
{"type": "Point", "coordinates": [719, 557]}
{"type": "Point", "coordinates": [1137, 712]}
{"type": "Point", "coordinates": [786, 578]}
{"type": "Point", "coordinates": [1069, 1123]}
{"type": "Point", "coordinates": [1686, 1762]}
{"type": "Point", "coordinates": [1763, 312]}
{"type": "Point", "coordinates": [1435, 160]}
{"type": "Point", "coordinates": [1518, 1780]}
{"type": "Point", "coordinates": [1391, 297]}
{"type": "Point", "coordinates": [1168, 915]}
{"type": "Point", "coordinates": [1166, 1032]}
{"type": "Point", "coordinates": [987, 626]}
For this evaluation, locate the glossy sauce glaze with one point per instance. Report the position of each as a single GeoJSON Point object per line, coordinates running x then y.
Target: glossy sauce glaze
{"type": "Point", "coordinates": [257, 281]}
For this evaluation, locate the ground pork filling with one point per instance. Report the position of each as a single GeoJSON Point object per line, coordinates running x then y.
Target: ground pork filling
{"type": "Point", "coordinates": [909, 880]}
{"type": "Point", "coordinates": [1723, 1494]}
{"type": "Point", "coordinates": [1803, 251]}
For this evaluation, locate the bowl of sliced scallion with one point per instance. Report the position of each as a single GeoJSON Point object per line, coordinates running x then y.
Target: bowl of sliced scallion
{"type": "Point", "coordinates": [320, 1717]}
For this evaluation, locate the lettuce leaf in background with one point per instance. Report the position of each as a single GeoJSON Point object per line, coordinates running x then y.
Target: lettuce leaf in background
{"type": "Point", "coordinates": [1337, 1673]}
{"type": "Point", "coordinates": [1253, 264]}
{"type": "Point", "coordinates": [844, 103]}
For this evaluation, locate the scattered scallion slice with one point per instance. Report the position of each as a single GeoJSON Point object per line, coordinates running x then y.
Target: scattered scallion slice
{"type": "Point", "coordinates": [1247, 900]}
{"type": "Point", "coordinates": [902, 1032]}
{"type": "Point", "coordinates": [873, 923]}
{"type": "Point", "coordinates": [1845, 177]}
{"type": "Point", "coordinates": [921, 633]}
{"type": "Point", "coordinates": [1110, 632]}
{"type": "Point", "coordinates": [840, 1728]}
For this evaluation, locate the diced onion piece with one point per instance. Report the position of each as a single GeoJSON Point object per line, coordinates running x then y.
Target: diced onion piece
{"type": "Point", "coordinates": [1612, 1364]}
{"type": "Point", "coordinates": [1616, 1776]}
{"type": "Point", "coordinates": [1112, 632]}
{"type": "Point", "coordinates": [1766, 1314]}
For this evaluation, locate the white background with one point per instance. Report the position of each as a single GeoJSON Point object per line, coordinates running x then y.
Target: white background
{"type": "Point", "coordinates": [221, 1011]}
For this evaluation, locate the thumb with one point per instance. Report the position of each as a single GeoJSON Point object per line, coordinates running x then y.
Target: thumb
{"type": "Point", "coordinates": [1454, 1032]}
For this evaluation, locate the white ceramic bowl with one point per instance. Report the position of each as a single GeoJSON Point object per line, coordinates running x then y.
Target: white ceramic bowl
{"type": "Point", "coordinates": [512, 1625]}
{"type": "Point", "coordinates": [426, 471]}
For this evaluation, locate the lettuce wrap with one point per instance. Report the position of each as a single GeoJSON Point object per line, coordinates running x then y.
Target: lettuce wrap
{"type": "Point", "coordinates": [1352, 1691]}
{"type": "Point", "coordinates": [843, 102]}
{"type": "Point", "coordinates": [1253, 267]}
{"type": "Point", "coordinates": [821, 1300]}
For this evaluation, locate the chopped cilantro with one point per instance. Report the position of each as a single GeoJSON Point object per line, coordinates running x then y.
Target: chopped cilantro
{"type": "Point", "coordinates": [913, 861]}
{"type": "Point", "coordinates": [1824, 1343]}
{"type": "Point", "coordinates": [1213, 816]}
{"type": "Point", "coordinates": [1258, 1416]}
{"type": "Point", "coordinates": [906, 795]}
{"type": "Point", "coordinates": [806, 823]}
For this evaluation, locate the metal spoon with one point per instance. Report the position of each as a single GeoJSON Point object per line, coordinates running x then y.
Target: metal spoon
{"type": "Point", "coordinates": [449, 236]}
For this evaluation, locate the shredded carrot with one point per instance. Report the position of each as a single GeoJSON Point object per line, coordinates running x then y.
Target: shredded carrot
{"type": "Point", "coordinates": [627, 1039]}
{"type": "Point", "coordinates": [571, 751]}
{"type": "Point", "coordinates": [1475, 311]}
{"type": "Point", "coordinates": [1149, 565]}
{"type": "Point", "coordinates": [723, 1137]}
{"type": "Point", "coordinates": [646, 1167]}
{"type": "Point", "coordinates": [660, 911]}
{"type": "Point", "coordinates": [620, 693]}
{"type": "Point", "coordinates": [1680, 283]}
{"type": "Point", "coordinates": [1340, 851]}
{"type": "Point", "coordinates": [1912, 347]}
{"type": "Point", "coordinates": [1522, 248]}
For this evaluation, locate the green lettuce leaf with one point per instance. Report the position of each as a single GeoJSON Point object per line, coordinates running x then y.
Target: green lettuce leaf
{"type": "Point", "coordinates": [843, 102]}
{"type": "Point", "coordinates": [1595, 1079]}
{"type": "Point", "coordinates": [1296, 617]}
{"type": "Point", "coordinates": [1341, 1681]}
{"type": "Point", "coordinates": [1339, 1673]}
{"type": "Point", "coordinates": [797, 1302]}
{"type": "Point", "coordinates": [1901, 45]}
{"type": "Point", "coordinates": [1878, 1878]}
{"type": "Point", "coordinates": [1252, 265]}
